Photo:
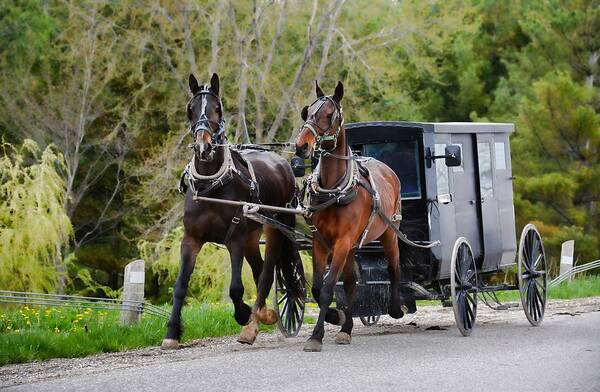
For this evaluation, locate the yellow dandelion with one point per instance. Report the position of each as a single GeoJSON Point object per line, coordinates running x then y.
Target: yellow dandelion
{"type": "Point", "coordinates": [16, 331]}
{"type": "Point", "coordinates": [28, 322]}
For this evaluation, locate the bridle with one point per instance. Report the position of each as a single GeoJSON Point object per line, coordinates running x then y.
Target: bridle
{"type": "Point", "coordinates": [326, 135]}
{"type": "Point", "coordinates": [204, 123]}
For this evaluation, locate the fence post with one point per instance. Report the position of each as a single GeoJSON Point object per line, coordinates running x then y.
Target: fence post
{"type": "Point", "coordinates": [566, 257]}
{"type": "Point", "coordinates": [133, 290]}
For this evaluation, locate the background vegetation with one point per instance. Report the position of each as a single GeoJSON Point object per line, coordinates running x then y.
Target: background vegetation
{"type": "Point", "coordinates": [104, 84]}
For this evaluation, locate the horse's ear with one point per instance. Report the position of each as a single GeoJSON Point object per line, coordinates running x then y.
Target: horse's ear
{"type": "Point", "coordinates": [318, 90]}
{"type": "Point", "coordinates": [339, 92]}
{"type": "Point", "coordinates": [194, 87]}
{"type": "Point", "coordinates": [304, 113]}
{"type": "Point", "coordinates": [214, 83]}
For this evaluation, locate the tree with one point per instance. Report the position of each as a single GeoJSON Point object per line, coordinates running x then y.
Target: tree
{"type": "Point", "coordinates": [33, 222]}
{"type": "Point", "coordinates": [558, 171]}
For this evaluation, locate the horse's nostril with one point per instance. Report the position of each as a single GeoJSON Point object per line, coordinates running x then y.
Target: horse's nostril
{"type": "Point", "coordinates": [301, 150]}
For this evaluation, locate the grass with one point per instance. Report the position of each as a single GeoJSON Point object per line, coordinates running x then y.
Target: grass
{"type": "Point", "coordinates": [582, 287]}
{"type": "Point", "coordinates": [35, 333]}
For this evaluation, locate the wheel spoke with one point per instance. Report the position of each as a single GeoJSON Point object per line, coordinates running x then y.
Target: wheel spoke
{"type": "Point", "coordinates": [537, 262]}
{"type": "Point", "coordinates": [282, 298]}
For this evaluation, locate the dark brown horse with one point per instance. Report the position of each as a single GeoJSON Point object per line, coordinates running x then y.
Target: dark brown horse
{"type": "Point", "coordinates": [347, 208]}
{"type": "Point", "coordinates": [218, 171]}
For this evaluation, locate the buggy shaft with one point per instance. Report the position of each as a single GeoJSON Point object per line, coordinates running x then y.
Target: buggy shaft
{"type": "Point", "coordinates": [265, 207]}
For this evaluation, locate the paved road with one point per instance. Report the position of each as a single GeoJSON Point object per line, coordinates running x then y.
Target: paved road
{"type": "Point", "coordinates": [503, 354]}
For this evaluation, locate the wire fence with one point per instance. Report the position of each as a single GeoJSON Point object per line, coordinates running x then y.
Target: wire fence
{"type": "Point", "coordinates": [75, 301]}
{"type": "Point", "coordinates": [575, 270]}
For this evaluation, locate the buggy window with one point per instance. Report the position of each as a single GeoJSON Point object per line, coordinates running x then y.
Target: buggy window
{"type": "Point", "coordinates": [485, 170]}
{"type": "Point", "coordinates": [403, 159]}
{"type": "Point", "coordinates": [500, 156]}
{"type": "Point", "coordinates": [441, 171]}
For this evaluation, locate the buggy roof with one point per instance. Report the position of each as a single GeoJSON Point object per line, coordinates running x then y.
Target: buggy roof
{"type": "Point", "coordinates": [445, 127]}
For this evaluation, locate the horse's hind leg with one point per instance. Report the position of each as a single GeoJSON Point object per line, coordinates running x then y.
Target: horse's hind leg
{"type": "Point", "coordinates": [273, 252]}
{"type": "Point", "coordinates": [390, 246]}
{"type": "Point", "coordinates": [236, 288]}
{"type": "Point", "coordinates": [189, 250]}
{"type": "Point", "coordinates": [259, 312]}
{"type": "Point", "coordinates": [252, 254]}
{"type": "Point", "coordinates": [345, 334]}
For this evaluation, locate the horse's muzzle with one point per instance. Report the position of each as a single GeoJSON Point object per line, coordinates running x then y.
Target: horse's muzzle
{"type": "Point", "coordinates": [302, 150]}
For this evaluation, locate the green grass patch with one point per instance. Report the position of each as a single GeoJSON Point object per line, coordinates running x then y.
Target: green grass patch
{"type": "Point", "coordinates": [35, 333]}
{"type": "Point", "coordinates": [582, 287]}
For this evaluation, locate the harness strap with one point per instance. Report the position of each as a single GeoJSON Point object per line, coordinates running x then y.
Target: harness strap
{"type": "Point", "coordinates": [315, 233]}
{"type": "Point", "coordinates": [233, 225]}
{"type": "Point", "coordinates": [372, 189]}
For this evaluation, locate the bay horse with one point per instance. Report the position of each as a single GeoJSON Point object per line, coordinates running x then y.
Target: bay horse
{"type": "Point", "coordinates": [216, 170]}
{"type": "Point", "coordinates": [347, 211]}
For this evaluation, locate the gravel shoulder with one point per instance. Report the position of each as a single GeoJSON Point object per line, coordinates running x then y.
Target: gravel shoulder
{"type": "Point", "coordinates": [426, 320]}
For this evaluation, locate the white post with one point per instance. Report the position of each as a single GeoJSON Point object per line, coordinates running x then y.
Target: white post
{"type": "Point", "coordinates": [566, 257]}
{"type": "Point", "coordinates": [133, 292]}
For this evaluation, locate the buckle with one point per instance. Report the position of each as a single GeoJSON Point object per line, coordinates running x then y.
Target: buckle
{"type": "Point", "coordinates": [235, 220]}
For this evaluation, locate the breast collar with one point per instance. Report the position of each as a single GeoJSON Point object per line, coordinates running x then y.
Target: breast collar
{"type": "Point", "coordinates": [343, 192]}
{"type": "Point", "coordinates": [202, 185]}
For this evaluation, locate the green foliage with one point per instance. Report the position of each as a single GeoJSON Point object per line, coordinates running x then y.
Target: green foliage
{"type": "Point", "coordinates": [556, 162]}
{"type": "Point", "coordinates": [33, 223]}
{"type": "Point", "coordinates": [212, 274]}
{"type": "Point", "coordinates": [106, 82]}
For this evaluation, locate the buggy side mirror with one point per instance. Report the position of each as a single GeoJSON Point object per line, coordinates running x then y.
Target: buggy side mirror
{"type": "Point", "coordinates": [453, 156]}
{"type": "Point", "coordinates": [298, 167]}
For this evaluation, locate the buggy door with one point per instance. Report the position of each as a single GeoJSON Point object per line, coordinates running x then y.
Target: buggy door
{"type": "Point", "coordinates": [465, 194]}
{"type": "Point", "coordinates": [488, 202]}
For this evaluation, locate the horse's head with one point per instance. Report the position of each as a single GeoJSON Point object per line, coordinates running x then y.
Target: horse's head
{"type": "Point", "coordinates": [205, 113]}
{"type": "Point", "coordinates": [323, 122]}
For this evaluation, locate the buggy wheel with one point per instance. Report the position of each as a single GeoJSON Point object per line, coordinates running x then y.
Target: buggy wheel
{"type": "Point", "coordinates": [463, 286]}
{"type": "Point", "coordinates": [289, 306]}
{"type": "Point", "coordinates": [533, 285]}
{"type": "Point", "coordinates": [369, 320]}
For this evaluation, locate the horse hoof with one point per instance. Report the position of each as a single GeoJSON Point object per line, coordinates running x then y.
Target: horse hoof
{"type": "Point", "coordinates": [342, 338]}
{"type": "Point", "coordinates": [169, 344]}
{"type": "Point", "coordinates": [313, 346]}
{"type": "Point", "coordinates": [249, 332]}
{"type": "Point", "coordinates": [266, 316]}
{"type": "Point", "coordinates": [396, 312]}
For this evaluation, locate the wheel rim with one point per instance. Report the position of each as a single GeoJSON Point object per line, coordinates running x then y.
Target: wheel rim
{"type": "Point", "coordinates": [369, 320]}
{"type": "Point", "coordinates": [532, 275]}
{"type": "Point", "coordinates": [290, 308]}
{"type": "Point", "coordinates": [463, 285]}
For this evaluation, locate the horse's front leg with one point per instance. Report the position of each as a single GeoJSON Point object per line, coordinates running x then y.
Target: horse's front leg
{"type": "Point", "coordinates": [345, 334]}
{"type": "Point", "coordinates": [189, 250]}
{"type": "Point", "coordinates": [236, 288]}
{"type": "Point", "coordinates": [339, 255]}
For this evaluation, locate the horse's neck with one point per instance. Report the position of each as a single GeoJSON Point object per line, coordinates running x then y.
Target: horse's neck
{"type": "Point", "coordinates": [334, 169]}
{"type": "Point", "coordinates": [209, 168]}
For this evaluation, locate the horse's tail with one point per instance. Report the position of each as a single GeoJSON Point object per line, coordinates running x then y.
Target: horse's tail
{"type": "Point", "coordinates": [289, 263]}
